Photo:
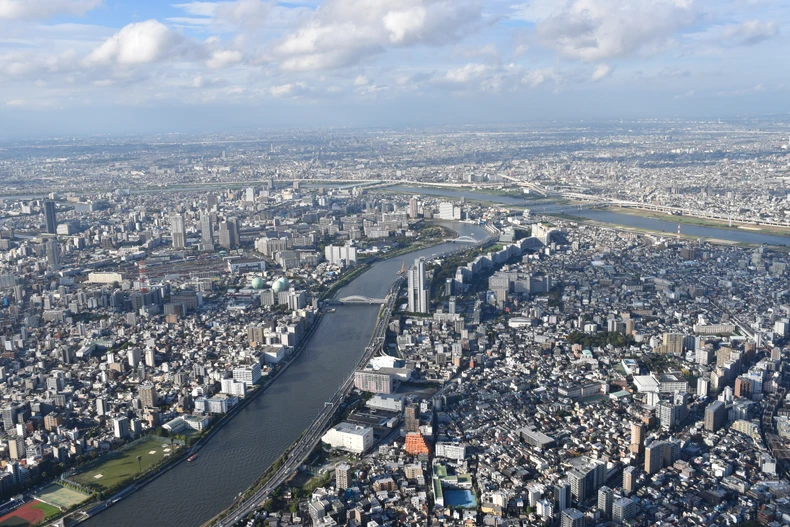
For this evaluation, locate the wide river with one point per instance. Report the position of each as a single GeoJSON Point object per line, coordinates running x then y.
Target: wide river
{"type": "Point", "coordinates": [605, 216]}
{"type": "Point", "coordinates": [192, 493]}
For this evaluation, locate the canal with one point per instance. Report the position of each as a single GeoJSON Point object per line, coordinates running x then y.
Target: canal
{"type": "Point", "coordinates": [192, 493]}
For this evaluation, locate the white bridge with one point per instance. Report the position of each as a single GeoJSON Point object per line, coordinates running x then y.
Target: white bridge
{"type": "Point", "coordinates": [357, 299]}
{"type": "Point", "coordinates": [462, 239]}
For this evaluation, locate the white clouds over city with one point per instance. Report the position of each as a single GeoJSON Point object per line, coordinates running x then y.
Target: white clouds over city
{"type": "Point", "coordinates": [67, 52]}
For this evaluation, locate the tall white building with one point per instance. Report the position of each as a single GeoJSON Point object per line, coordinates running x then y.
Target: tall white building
{"type": "Point", "coordinates": [206, 230]}
{"type": "Point", "coordinates": [341, 254]}
{"type": "Point", "coordinates": [418, 289]}
{"type": "Point", "coordinates": [178, 231]}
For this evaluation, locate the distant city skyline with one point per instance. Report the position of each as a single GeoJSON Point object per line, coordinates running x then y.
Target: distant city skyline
{"type": "Point", "coordinates": [73, 67]}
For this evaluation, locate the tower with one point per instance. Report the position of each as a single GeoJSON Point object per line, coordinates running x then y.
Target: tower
{"type": "Point", "coordinates": [178, 231]}
{"type": "Point", "coordinates": [637, 437]}
{"type": "Point", "coordinates": [418, 292]}
{"type": "Point", "coordinates": [206, 231]}
{"type": "Point", "coordinates": [605, 500]}
{"type": "Point", "coordinates": [412, 418]}
{"type": "Point", "coordinates": [50, 217]}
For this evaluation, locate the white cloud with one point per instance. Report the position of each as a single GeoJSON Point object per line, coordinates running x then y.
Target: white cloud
{"type": "Point", "coordinates": [224, 58]}
{"type": "Point", "coordinates": [751, 32]}
{"type": "Point", "coordinates": [249, 14]}
{"type": "Point", "coordinates": [537, 77]}
{"type": "Point", "coordinates": [593, 30]}
{"type": "Point", "coordinates": [465, 74]}
{"type": "Point", "coordinates": [205, 9]}
{"type": "Point", "coordinates": [344, 32]}
{"type": "Point", "coordinates": [39, 9]}
{"type": "Point", "coordinates": [138, 43]}
{"type": "Point", "coordinates": [602, 71]}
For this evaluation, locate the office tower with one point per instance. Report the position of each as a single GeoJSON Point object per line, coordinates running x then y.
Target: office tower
{"type": "Point", "coordinates": [50, 217]}
{"type": "Point", "coordinates": [715, 416]}
{"type": "Point", "coordinates": [571, 518]}
{"type": "Point", "coordinates": [148, 395]}
{"type": "Point", "coordinates": [342, 476]}
{"type": "Point", "coordinates": [418, 291]}
{"type": "Point", "coordinates": [562, 495]}
{"type": "Point", "coordinates": [178, 231]}
{"type": "Point", "coordinates": [206, 231]}
{"type": "Point", "coordinates": [413, 208]}
{"type": "Point", "coordinates": [623, 509]}
{"type": "Point", "coordinates": [451, 305]}
{"type": "Point", "coordinates": [53, 254]}
{"type": "Point", "coordinates": [629, 479]}
{"type": "Point", "coordinates": [229, 233]}
{"type": "Point", "coordinates": [101, 406]}
{"type": "Point", "coordinates": [412, 418]}
{"type": "Point", "coordinates": [16, 447]}
{"type": "Point", "coordinates": [605, 500]}
{"type": "Point", "coordinates": [654, 457]}
{"type": "Point", "coordinates": [637, 437]}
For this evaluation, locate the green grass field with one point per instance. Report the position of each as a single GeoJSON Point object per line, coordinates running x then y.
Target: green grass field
{"type": "Point", "coordinates": [29, 514]}
{"type": "Point", "coordinates": [61, 496]}
{"type": "Point", "coordinates": [119, 466]}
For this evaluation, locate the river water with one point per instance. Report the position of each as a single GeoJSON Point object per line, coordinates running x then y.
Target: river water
{"type": "Point", "coordinates": [191, 493]}
{"type": "Point", "coordinates": [605, 216]}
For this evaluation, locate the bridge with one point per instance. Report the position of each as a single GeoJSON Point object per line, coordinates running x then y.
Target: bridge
{"type": "Point", "coordinates": [461, 239]}
{"type": "Point", "coordinates": [356, 299]}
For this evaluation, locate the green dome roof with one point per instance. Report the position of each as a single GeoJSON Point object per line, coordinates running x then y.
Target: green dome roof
{"type": "Point", "coordinates": [258, 283]}
{"type": "Point", "coordinates": [281, 284]}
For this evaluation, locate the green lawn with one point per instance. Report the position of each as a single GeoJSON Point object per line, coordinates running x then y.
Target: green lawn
{"type": "Point", "coordinates": [49, 510]}
{"type": "Point", "coordinates": [122, 465]}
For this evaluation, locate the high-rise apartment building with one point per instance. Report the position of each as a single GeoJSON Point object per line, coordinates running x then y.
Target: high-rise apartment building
{"type": "Point", "coordinates": [178, 231]}
{"type": "Point", "coordinates": [206, 231]}
{"type": "Point", "coordinates": [50, 217]}
{"type": "Point", "coordinates": [412, 415]}
{"type": "Point", "coordinates": [342, 476]}
{"type": "Point", "coordinates": [418, 289]}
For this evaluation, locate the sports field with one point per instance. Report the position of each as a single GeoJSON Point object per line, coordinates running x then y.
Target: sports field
{"type": "Point", "coordinates": [61, 496]}
{"type": "Point", "coordinates": [119, 466]}
{"type": "Point", "coordinates": [31, 513]}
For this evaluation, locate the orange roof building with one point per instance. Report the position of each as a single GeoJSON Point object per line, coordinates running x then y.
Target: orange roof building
{"type": "Point", "coordinates": [415, 444]}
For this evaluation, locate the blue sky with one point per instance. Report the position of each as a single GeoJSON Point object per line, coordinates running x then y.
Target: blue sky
{"type": "Point", "coordinates": [94, 66]}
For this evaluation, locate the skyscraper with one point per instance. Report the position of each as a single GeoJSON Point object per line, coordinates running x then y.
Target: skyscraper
{"type": "Point", "coordinates": [413, 208]}
{"type": "Point", "coordinates": [715, 416]}
{"type": "Point", "coordinates": [637, 437]}
{"type": "Point", "coordinates": [50, 217]}
{"type": "Point", "coordinates": [53, 254]}
{"type": "Point", "coordinates": [654, 457]}
{"type": "Point", "coordinates": [412, 418]}
{"type": "Point", "coordinates": [418, 291]}
{"type": "Point", "coordinates": [229, 233]}
{"type": "Point", "coordinates": [178, 231]}
{"type": "Point", "coordinates": [206, 231]}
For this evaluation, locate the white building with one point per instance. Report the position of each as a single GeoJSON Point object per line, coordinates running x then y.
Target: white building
{"type": "Point", "coordinates": [451, 451]}
{"type": "Point", "coordinates": [341, 255]}
{"type": "Point", "coordinates": [449, 211]}
{"type": "Point", "coordinates": [351, 438]}
{"type": "Point", "coordinates": [249, 375]}
{"type": "Point", "coordinates": [234, 387]}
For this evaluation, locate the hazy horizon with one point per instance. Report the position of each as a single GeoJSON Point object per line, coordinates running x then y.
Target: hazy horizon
{"type": "Point", "coordinates": [83, 67]}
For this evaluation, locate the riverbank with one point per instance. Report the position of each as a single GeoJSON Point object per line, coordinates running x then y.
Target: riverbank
{"type": "Point", "coordinates": [669, 234]}
{"type": "Point", "coordinates": [149, 477]}
{"type": "Point", "coordinates": [702, 222]}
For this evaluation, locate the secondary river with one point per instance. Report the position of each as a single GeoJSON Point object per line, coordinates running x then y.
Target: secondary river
{"type": "Point", "coordinates": [191, 493]}
{"type": "Point", "coordinates": [605, 216]}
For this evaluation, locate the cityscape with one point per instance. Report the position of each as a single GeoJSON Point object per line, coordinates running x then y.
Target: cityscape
{"type": "Point", "coordinates": [394, 263]}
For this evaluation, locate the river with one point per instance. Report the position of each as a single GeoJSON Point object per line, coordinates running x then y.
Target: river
{"type": "Point", "coordinates": [605, 216]}
{"type": "Point", "coordinates": [191, 493]}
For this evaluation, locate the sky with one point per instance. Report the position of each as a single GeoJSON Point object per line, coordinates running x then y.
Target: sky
{"type": "Point", "coordinates": [71, 67]}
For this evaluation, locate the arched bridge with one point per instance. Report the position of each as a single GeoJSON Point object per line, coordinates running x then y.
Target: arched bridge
{"type": "Point", "coordinates": [462, 239]}
{"type": "Point", "coordinates": [357, 299]}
